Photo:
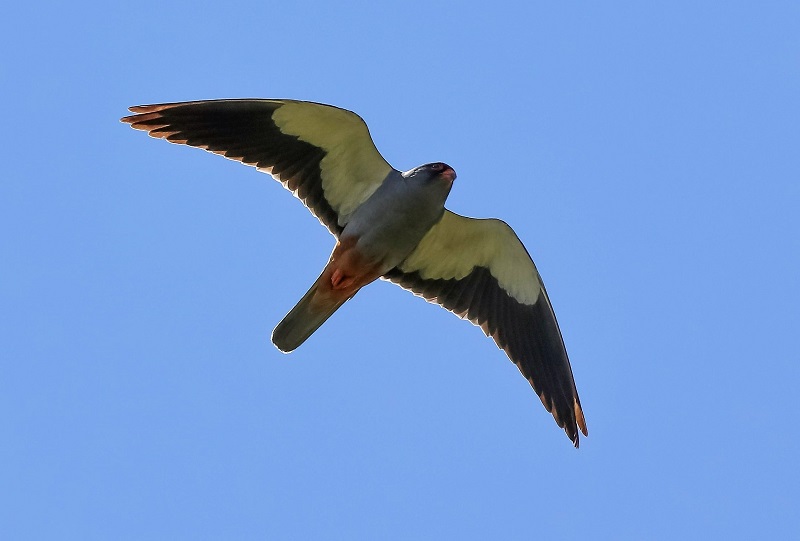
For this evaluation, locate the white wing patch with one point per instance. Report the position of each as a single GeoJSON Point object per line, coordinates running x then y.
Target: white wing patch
{"type": "Point", "coordinates": [455, 245]}
{"type": "Point", "coordinates": [353, 168]}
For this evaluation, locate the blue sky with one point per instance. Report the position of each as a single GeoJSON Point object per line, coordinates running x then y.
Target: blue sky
{"type": "Point", "coordinates": [646, 153]}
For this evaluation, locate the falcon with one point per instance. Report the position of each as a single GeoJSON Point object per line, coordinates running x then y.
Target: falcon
{"type": "Point", "coordinates": [387, 224]}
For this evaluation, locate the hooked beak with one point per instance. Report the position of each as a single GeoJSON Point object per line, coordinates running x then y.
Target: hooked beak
{"type": "Point", "coordinates": [448, 174]}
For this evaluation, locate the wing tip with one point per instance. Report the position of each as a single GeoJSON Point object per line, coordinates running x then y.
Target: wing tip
{"type": "Point", "coordinates": [144, 113]}
{"type": "Point", "coordinates": [579, 424]}
{"type": "Point", "coordinates": [153, 108]}
{"type": "Point", "coordinates": [581, 420]}
{"type": "Point", "coordinates": [148, 121]}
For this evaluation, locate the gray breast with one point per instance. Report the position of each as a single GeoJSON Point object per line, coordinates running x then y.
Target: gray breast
{"type": "Point", "coordinates": [391, 223]}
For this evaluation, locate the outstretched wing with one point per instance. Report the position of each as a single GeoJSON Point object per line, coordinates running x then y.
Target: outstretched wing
{"type": "Point", "coordinates": [323, 154]}
{"type": "Point", "coordinates": [479, 270]}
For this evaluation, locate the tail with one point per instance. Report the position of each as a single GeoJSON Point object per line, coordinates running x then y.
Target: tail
{"type": "Point", "coordinates": [316, 306]}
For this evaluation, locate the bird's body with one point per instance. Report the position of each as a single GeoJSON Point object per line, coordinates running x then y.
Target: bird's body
{"type": "Point", "coordinates": [392, 222]}
{"type": "Point", "coordinates": [389, 225]}
{"type": "Point", "coordinates": [380, 234]}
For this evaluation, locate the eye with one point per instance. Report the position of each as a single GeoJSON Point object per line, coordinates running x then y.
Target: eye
{"type": "Point", "coordinates": [437, 166]}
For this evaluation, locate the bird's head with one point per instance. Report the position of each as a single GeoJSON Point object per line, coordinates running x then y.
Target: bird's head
{"type": "Point", "coordinates": [432, 172]}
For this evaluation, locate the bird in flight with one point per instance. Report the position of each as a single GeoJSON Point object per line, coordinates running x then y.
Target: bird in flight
{"type": "Point", "coordinates": [387, 224]}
